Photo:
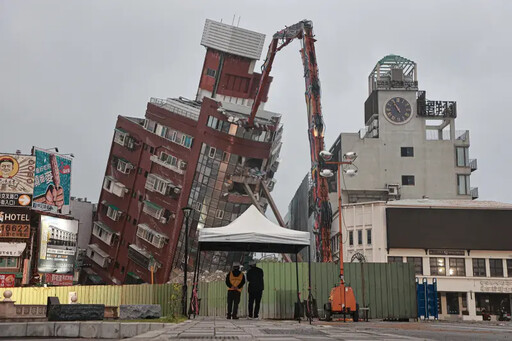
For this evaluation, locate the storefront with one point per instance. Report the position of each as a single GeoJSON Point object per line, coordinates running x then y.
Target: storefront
{"type": "Point", "coordinates": [492, 303]}
{"type": "Point", "coordinates": [11, 263]}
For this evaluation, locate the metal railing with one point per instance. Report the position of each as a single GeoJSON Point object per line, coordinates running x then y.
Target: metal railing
{"type": "Point", "coordinates": [462, 135]}
{"type": "Point", "coordinates": [444, 135]}
{"type": "Point", "coordinates": [173, 108]}
{"type": "Point", "coordinates": [473, 164]}
{"type": "Point", "coordinates": [474, 192]}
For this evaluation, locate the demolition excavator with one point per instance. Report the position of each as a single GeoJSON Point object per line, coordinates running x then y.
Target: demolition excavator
{"type": "Point", "coordinates": [342, 299]}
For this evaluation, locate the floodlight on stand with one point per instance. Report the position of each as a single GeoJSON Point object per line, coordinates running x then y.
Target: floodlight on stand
{"type": "Point", "coordinates": [351, 172]}
{"type": "Point", "coordinates": [350, 156]}
{"type": "Point", "coordinates": [326, 173]}
{"type": "Point", "coordinates": [324, 154]}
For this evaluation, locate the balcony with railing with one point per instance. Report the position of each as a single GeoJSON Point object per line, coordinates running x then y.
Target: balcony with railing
{"type": "Point", "coordinates": [461, 136]}
{"type": "Point", "coordinates": [474, 193]}
{"type": "Point", "coordinates": [178, 168]}
{"type": "Point", "coordinates": [473, 164]}
{"type": "Point", "coordinates": [177, 107]}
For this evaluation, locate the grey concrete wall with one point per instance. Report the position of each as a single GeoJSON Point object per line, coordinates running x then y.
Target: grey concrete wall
{"type": "Point", "coordinates": [84, 212]}
{"type": "Point", "coordinates": [89, 330]}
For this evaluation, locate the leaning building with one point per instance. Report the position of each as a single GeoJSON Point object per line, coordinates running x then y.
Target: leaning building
{"type": "Point", "coordinates": [185, 152]}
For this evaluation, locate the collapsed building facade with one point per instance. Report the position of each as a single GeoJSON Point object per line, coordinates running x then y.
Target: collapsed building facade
{"type": "Point", "coordinates": [186, 153]}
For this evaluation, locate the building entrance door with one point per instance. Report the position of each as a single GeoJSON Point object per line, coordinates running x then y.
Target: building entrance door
{"type": "Point", "coordinates": [452, 303]}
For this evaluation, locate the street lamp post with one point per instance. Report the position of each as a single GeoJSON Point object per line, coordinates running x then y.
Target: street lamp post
{"type": "Point", "coordinates": [348, 160]}
{"type": "Point", "coordinates": [186, 212]}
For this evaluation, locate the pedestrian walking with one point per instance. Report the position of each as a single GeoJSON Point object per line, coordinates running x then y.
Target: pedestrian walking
{"type": "Point", "coordinates": [235, 281]}
{"type": "Point", "coordinates": [255, 279]}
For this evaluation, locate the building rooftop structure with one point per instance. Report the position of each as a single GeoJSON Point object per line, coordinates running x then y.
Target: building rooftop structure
{"type": "Point", "coordinates": [233, 40]}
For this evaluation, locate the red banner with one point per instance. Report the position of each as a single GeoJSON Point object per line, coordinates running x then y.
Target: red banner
{"type": "Point", "coordinates": [58, 279]}
{"type": "Point", "coordinates": [7, 280]}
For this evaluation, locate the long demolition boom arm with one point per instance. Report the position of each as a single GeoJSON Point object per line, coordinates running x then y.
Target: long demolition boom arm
{"type": "Point", "coordinates": [303, 30]}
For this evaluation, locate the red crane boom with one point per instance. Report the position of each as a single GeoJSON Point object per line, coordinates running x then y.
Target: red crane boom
{"type": "Point", "coordinates": [303, 30]}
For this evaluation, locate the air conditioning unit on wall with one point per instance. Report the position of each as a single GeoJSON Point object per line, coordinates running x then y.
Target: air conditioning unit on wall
{"type": "Point", "coordinates": [393, 189]}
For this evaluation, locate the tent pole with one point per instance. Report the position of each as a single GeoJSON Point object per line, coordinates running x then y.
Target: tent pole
{"type": "Point", "coordinates": [298, 290]}
{"type": "Point", "coordinates": [309, 287]}
{"type": "Point", "coordinates": [195, 283]}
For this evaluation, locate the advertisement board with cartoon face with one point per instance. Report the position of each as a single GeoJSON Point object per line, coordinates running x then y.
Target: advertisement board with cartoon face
{"type": "Point", "coordinates": [16, 180]}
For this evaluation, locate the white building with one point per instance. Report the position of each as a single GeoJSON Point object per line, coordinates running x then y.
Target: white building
{"type": "Point", "coordinates": [83, 211]}
{"type": "Point", "coordinates": [409, 148]}
{"type": "Point", "coordinates": [465, 245]}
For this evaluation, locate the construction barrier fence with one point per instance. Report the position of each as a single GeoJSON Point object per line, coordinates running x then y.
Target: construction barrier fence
{"type": "Point", "coordinates": [388, 290]}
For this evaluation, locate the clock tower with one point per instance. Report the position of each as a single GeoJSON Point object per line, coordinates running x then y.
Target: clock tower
{"type": "Point", "coordinates": [409, 148]}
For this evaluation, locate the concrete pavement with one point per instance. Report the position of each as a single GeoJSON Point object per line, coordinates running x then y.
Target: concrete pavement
{"type": "Point", "coordinates": [269, 330]}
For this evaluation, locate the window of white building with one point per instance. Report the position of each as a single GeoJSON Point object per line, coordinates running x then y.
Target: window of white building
{"type": "Point", "coordinates": [418, 264]}
{"type": "Point", "coordinates": [395, 259]}
{"type": "Point", "coordinates": [496, 267]}
{"type": "Point", "coordinates": [462, 156]}
{"type": "Point", "coordinates": [457, 267]}
{"type": "Point", "coordinates": [479, 267]}
{"type": "Point", "coordinates": [437, 266]}
{"type": "Point", "coordinates": [463, 187]}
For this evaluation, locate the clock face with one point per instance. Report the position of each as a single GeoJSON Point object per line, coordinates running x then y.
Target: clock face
{"type": "Point", "coordinates": [398, 110]}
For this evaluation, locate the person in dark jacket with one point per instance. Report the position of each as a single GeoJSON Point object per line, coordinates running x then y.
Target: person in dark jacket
{"type": "Point", "coordinates": [255, 278]}
{"type": "Point", "coordinates": [235, 281]}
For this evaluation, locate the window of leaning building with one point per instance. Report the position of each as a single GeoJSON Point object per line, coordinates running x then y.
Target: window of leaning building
{"type": "Point", "coordinates": [209, 198]}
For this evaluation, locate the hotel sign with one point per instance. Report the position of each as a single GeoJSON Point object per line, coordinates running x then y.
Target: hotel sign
{"type": "Point", "coordinates": [14, 223]}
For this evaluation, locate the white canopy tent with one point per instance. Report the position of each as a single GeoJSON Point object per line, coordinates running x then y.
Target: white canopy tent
{"type": "Point", "coordinates": [253, 232]}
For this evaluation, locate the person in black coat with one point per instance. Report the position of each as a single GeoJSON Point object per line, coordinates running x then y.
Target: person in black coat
{"type": "Point", "coordinates": [255, 278]}
{"type": "Point", "coordinates": [235, 281]}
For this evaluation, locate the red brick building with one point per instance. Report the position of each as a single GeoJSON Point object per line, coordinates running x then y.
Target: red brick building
{"type": "Point", "coordinates": [185, 153]}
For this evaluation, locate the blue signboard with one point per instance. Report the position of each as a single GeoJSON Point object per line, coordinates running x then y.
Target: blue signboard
{"type": "Point", "coordinates": [52, 182]}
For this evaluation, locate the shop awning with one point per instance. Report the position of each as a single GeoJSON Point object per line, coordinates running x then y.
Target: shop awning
{"type": "Point", "coordinates": [152, 205]}
{"type": "Point", "coordinates": [114, 207]}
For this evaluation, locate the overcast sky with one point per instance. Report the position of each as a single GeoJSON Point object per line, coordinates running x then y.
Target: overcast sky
{"type": "Point", "coordinates": [68, 68]}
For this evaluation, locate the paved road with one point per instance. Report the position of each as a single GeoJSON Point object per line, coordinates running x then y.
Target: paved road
{"type": "Point", "coordinates": [268, 330]}
{"type": "Point", "coordinates": [220, 329]}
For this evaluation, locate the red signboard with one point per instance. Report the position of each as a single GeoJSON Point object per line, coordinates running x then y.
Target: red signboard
{"type": "Point", "coordinates": [7, 280]}
{"type": "Point", "coordinates": [14, 231]}
{"type": "Point", "coordinates": [59, 279]}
